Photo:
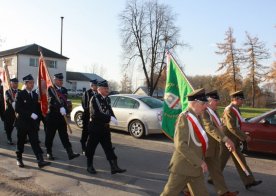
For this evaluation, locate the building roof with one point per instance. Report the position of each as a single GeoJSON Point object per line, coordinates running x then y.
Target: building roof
{"type": "Point", "coordinates": [32, 50]}
{"type": "Point", "coordinates": [77, 76]}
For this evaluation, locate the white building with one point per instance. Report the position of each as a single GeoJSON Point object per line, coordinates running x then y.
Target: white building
{"type": "Point", "coordinates": [77, 81]}
{"type": "Point", "coordinates": [24, 60]}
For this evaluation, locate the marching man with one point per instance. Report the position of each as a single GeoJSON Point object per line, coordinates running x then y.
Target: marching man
{"type": "Point", "coordinates": [187, 164]}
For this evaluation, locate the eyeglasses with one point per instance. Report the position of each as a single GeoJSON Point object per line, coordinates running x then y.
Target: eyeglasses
{"type": "Point", "coordinates": [201, 102]}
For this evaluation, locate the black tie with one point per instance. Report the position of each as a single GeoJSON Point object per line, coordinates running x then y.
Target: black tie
{"type": "Point", "coordinates": [31, 97]}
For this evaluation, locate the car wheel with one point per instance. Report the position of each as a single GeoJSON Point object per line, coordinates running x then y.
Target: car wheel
{"type": "Point", "coordinates": [78, 119]}
{"type": "Point", "coordinates": [243, 146]}
{"type": "Point", "coordinates": [136, 128]}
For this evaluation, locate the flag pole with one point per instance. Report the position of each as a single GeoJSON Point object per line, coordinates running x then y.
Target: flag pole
{"type": "Point", "coordinates": [184, 75]}
{"type": "Point", "coordinates": [54, 90]}
{"type": "Point", "coordinates": [7, 73]}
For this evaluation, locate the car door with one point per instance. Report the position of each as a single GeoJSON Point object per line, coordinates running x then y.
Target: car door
{"type": "Point", "coordinates": [123, 109]}
{"type": "Point", "coordinates": [265, 134]}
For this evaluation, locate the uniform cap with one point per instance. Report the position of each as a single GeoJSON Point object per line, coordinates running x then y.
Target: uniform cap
{"type": "Point", "coordinates": [237, 94]}
{"type": "Point", "coordinates": [197, 95]}
{"type": "Point", "coordinates": [15, 80]}
{"type": "Point", "coordinates": [58, 76]}
{"type": "Point", "coordinates": [28, 78]}
{"type": "Point", "coordinates": [213, 94]}
{"type": "Point", "coordinates": [103, 83]}
{"type": "Point", "coordinates": [94, 82]}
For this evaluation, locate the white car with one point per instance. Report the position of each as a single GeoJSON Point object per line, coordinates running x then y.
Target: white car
{"type": "Point", "coordinates": [137, 114]}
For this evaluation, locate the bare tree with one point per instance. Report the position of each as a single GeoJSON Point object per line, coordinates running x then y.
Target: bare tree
{"type": "Point", "coordinates": [126, 84]}
{"type": "Point", "coordinates": [255, 53]}
{"type": "Point", "coordinates": [231, 77]}
{"type": "Point", "coordinates": [147, 31]}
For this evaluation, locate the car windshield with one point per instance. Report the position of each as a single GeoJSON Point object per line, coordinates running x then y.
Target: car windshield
{"type": "Point", "coordinates": [260, 116]}
{"type": "Point", "coordinates": [152, 102]}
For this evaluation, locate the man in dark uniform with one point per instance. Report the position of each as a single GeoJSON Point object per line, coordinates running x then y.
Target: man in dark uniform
{"type": "Point", "coordinates": [9, 115]}
{"type": "Point", "coordinates": [232, 120]}
{"type": "Point", "coordinates": [57, 109]}
{"type": "Point", "coordinates": [85, 117]}
{"type": "Point", "coordinates": [2, 102]}
{"type": "Point", "coordinates": [101, 115]}
{"type": "Point", "coordinates": [29, 114]}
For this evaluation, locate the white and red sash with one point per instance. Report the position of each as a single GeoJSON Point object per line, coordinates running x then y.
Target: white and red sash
{"type": "Point", "coordinates": [214, 116]}
{"type": "Point", "coordinates": [238, 115]}
{"type": "Point", "coordinates": [195, 127]}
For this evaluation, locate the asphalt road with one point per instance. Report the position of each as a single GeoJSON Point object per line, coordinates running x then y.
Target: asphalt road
{"type": "Point", "coordinates": [146, 161]}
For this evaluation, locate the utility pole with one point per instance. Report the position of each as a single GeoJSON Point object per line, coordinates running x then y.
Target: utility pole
{"type": "Point", "coordinates": [61, 34]}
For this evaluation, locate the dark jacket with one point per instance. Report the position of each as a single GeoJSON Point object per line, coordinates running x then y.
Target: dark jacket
{"type": "Point", "coordinates": [100, 110]}
{"type": "Point", "coordinates": [53, 104]}
{"type": "Point", "coordinates": [24, 107]}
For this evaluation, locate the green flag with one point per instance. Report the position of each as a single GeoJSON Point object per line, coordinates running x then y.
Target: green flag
{"type": "Point", "coordinates": [175, 98]}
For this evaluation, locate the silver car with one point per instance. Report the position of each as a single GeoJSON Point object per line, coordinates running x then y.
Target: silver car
{"type": "Point", "coordinates": [139, 115]}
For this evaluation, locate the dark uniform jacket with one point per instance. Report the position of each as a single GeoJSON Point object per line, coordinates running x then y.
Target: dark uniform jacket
{"type": "Point", "coordinates": [85, 104]}
{"type": "Point", "coordinates": [100, 110]}
{"type": "Point", "coordinates": [24, 107]}
{"type": "Point", "coordinates": [53, 104]}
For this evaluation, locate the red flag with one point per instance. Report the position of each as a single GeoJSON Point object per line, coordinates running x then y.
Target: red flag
{"type": "Point", "coordinates": [44, 82]}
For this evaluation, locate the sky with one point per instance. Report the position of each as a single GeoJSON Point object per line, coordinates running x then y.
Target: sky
{"type": "Point", "coordinates": [91, 30]}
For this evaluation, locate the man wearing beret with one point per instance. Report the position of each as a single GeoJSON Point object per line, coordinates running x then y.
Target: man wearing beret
{"type": "Point", "coordinates": [232, 120]}
{"type": "Point", "coordinates": [27, 121]}
{"type": "Point", "coordinates": [57, 109]}
{"type": "Point", "coordinates": [214, 128]}
{"type": "Point", "coordinates": [9, 114]}
{"type": "Point", "coordinates": [85, 117]}
{"type": "Point", "coordinates": [191, 142]}
{"type": "Point", "coordinates": [101, 114]}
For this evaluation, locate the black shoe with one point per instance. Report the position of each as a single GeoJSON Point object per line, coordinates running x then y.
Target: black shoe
{"type": "Point", "coordinates": [71, 154]}
{"type": "Point", "coordinates": [254, 183]}
{"type": "Point", "coordinates": [40, 161]}
{"type": "Point", "coordinates": [20, 163]}
{"type": "Point", "coordinates": [115, 168]}
{"type": "Point", "coordinates": [50, 156]}
{"type": "Point", "coordinates": [10, 142]}
{"type": "Point", "coordinates": [91, 170]}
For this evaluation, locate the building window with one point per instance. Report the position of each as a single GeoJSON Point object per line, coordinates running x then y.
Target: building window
{"type": "Point", "coordinates": [51, 64]}
{"type": "Point", "coordinates": [34, 62]}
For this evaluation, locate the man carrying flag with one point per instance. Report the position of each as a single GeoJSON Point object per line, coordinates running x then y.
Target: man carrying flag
{"type": "Point", "coordinates": [191, 142]}
{"type": "Point", "coordinates": [9, 114]}
{"type": "Point", "coordinates": [57, 109]}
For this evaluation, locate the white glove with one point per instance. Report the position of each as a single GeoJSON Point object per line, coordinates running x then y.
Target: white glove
{"type": "Point", "coordinates": [13, 105]}
{"type": "Point", "coordinates": [114, 120]}
{"type": "Point", "coordinates": [34, 116]}
{"type": "Point", "coordinates": [62, 111]}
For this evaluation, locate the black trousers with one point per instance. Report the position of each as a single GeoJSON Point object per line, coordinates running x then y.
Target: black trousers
{"type": "Point", "coordinates": [33, 137]}
{"type": "Point", "coordinates": [100, 134]}
{"type": "Point", "coordinates": [85, 133]}
{"type": "Point", "coordinates": [9, 118]}
{"type": "Point", "coordinates": [56, 123]}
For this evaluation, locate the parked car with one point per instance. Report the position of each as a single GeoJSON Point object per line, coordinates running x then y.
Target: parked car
{"type": "Point", "coordinates": [137, 114]}
{"type": "Point", "coordinates": [262, 130]}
